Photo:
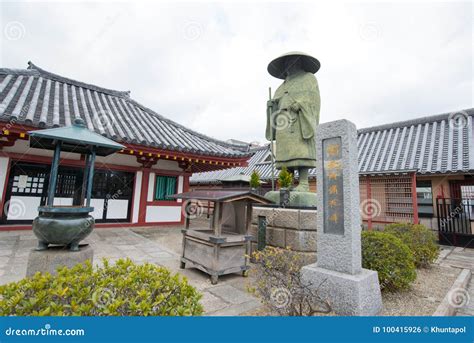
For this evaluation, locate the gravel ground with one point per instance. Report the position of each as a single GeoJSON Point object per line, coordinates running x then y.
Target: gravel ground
{"type": "Point", "coordinates": [426, 293]}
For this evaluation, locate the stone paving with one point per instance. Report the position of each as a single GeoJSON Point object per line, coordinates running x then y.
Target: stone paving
{"type": "Point", "coordinates": [459, 257]}
{"type": "Point", "coordinates": [226, 298]}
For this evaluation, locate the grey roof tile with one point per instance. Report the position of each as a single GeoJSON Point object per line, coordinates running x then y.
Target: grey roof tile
{"type": "Point", "coordinates": [38, 98]}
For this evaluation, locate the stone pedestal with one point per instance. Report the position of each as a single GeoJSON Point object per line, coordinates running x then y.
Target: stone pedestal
{"type": "Point", "coordinates": [293, 228]}
{"type": "Point", "coordinates": [48, 261]}
{"type": "Point", "coordinates": [296, 199]}
{"type": "Point", "coordinates": [349, 295]}
{"type": "Point", "coordinates": [338, 274]}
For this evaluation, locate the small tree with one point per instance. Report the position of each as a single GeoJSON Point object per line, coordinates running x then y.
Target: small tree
{"type": "Point", "coordinates": [254, 179]}
{"type": "Point", "coordinates": [285, 179]}
{"type": "Point", "coordinates": [279, 285]}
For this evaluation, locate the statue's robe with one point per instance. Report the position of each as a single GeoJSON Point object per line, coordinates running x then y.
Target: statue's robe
{"type": "Point", "coordinates": [294, 131]}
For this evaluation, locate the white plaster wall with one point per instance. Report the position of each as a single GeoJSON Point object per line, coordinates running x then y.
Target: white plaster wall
{"type": "Point", "coordinates": [63, 201]}
{"type": "Point", "coordinates": [167, 164]}
{"type": "Point", "coordinates": [3, 174]}
{"type": "Point", "coordinates": [23, 207]}
{"type": "Point", "coordinates": [151, 186]}
{"type": "Point", "coordinates": [136, 197]}
{"type": "Point", "coordinates": [117, 209]}
{"type": "Point", "coordinates": [163, 214]}
{"type": "Point", "coordinates": [180, 186]}
{"type": "Point", "coordinates": [98, 205]}
{"type": "Point", "coordinates": [119, 159]}
{"type": "Point", "coordinates": [22, 147]}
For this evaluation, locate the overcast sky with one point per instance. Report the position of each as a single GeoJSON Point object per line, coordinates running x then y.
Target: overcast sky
{"type": "Point", "coordinates": [204, 64]}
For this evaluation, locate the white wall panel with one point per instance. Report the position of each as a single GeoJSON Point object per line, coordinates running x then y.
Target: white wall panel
{"type": "Point", "coordinates": [136, 197]}
{"type": "Point", "coordinates": [151, 186]}
{"type": "Point", "coordinates": [163, 214]}
{"type": "Point", "coordinates": [23, 208]}
{"type": "Point", "coordinates": [117, 209]}
{"type": "Point", "coordinates": [180, 186]}
{"type": "Point", "coordinates": [63, 201]}
{"type": "Point", "coordinates": [98, 205]}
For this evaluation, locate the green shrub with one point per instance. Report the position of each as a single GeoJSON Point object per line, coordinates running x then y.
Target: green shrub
{"type": "Point", "coordinates": [254, 179]}
{"type": "Point", "coordinates": [420, 240]}
{"type": "Point", "coordinates": [390, 257]}
{"type": "Point", "coordinates": [123, 289]}
{"type": "Point", "coordinates": [285, 178]}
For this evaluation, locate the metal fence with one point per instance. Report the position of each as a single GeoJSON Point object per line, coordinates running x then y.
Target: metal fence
{"type": "Point", "coordinates": [456, 221]}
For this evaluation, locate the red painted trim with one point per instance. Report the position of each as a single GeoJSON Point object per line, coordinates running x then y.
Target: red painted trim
{"type": "Point", "coordinates": [414, 199]}
{"type": "Point", "coordinates": [165, 172]}
{"type": "Point", "coordinates": [16, 129]}
{"type": "Point", "coordinates": [14, 227]}
{"type": "Point", "coordinates": [143, 196]}
{"type": "Point", "coordinates": [5, 186]}
{"type": "Point", "coordinates": [65, 162]}
{"type": "Point", "coordinates": [163, 203]}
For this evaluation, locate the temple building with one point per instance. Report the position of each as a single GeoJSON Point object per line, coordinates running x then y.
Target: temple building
{"type": "Point", "coordinates": [132, 187]}
{"type": "Point", "coordinates": [419, 171]}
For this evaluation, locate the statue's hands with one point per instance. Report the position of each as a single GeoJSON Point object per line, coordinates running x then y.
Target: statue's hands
{"type": "Point", "coordinates": [273, 103]}
{"type": "Point", "coordinates": [295, 107]}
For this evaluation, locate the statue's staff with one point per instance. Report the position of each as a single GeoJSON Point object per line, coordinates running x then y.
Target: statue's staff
{"type": "Point", "coordinates": [270, 109]}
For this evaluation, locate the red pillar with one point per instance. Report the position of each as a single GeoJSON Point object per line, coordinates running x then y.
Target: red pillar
{"type": "Point", "coordinates": [414, 198]}
{"type": "Point", "coordinates": [186, 182]}
{"type": "Point", "coordinates": [143, 196]}
{"type": "Point", "coordinates": [5, 186]}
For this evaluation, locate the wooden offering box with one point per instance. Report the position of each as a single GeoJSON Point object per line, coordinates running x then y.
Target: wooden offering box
{"type": "Point", "coordinates": [222, 247]}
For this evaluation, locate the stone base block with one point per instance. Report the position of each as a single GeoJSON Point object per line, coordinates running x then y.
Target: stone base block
{"type": "Point", "coordinates": [352, 295]}
{"type": "Point", "coordinates": [297, 199]}
{"type": "Point", "coordinates": [48, 261]}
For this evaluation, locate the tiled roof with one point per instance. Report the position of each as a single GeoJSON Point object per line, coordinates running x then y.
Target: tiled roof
{"type": "Point", "coordinates": [439, 144]}
{"type": "Point", "coordinates": [38, 98]}
{"type": "Point", "coordinates": [435, 144]}
{"type": "Point", "coordinates": [259, 155]}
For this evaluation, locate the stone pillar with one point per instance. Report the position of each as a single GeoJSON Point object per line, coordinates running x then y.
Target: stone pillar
{"type": "Point", "coordinates": [338, 274]}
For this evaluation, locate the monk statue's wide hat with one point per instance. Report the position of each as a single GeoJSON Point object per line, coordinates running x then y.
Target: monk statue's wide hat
{"type": "Point", "coordinates": [278, 66]}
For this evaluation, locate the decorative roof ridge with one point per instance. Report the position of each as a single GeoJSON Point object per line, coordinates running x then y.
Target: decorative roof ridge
{"type": "Point", "coordinates": [416, 121]}
{"type": "Point", "coordinates": [262, 147]}
{"type": "Point", "coordinates": [56, 77]}
{"type": "Point", "coordinates": [14, 71]}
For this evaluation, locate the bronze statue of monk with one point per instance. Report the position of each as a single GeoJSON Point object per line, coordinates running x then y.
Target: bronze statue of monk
{"type": "Point", "coordinates": [293, 113]}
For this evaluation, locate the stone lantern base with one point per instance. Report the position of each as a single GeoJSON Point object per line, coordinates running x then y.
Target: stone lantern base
{"type": "Point", "coordinates": [48, 261]}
